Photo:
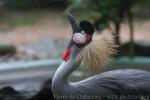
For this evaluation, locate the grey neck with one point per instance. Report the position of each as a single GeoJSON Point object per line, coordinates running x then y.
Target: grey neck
{"type": "Point", "coordinates": [60, 79]}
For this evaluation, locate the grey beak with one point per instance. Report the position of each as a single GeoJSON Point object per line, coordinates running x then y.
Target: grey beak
{"type": "Point", "coordinates": [74, 23]}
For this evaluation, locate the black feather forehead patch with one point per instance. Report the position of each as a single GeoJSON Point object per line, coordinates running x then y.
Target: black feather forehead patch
{"type": "Point", "coordinates": [87, 27]}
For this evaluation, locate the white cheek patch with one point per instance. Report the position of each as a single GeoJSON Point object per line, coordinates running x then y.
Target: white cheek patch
{"type": "Point", "coordinates": [79, 38]}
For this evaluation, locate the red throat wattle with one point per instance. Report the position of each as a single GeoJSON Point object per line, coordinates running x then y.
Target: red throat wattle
{"type": "Point", "coordinates": [67, 54]}
{"type": "Point", "coordinates": [88, 38]}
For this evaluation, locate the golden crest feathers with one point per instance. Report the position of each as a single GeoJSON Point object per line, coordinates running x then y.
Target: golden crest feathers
{"type": "Point", "coordinates": [99, 51]}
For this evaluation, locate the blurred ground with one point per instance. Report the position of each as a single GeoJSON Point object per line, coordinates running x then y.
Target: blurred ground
{"type": "Point", "coordinates": [53, 24]}
{"type": "Point", "coordinates": [47, 24]}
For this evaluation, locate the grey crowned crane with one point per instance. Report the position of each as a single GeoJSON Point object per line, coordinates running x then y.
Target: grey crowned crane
{"type": "Point", "coordinates": [95, 52]}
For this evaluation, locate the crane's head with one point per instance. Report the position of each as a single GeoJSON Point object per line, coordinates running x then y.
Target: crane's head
{"type": "Point", "coordinates": [82, 34]}
{"type": "Point", "coordinates": [94, 51]}
{"type": "Point", "coordinates": [82, 31]}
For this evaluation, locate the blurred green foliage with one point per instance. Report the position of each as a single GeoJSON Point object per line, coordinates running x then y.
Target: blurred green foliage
{"type": "Point", "coordinates": [13, 22]}
{"type": "Point", "coordinates": [17, 19]}
{"type": "Point", "coordinates": [28, 4]}
{"type": "Point", "coordinates": [25, 4]}
{"type": "Point", "coordinates": [102, 9]}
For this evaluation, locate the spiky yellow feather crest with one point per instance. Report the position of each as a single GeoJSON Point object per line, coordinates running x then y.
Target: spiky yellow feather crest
{"type": "Point", "coordinates": [99, 51]}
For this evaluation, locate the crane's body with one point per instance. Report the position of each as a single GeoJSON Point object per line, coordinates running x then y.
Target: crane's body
{"type": "Point", "coordinates": [118, 82]}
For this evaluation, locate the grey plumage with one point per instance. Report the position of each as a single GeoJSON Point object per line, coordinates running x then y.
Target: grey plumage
{"type": "Point", "coordinates": [117, 82]}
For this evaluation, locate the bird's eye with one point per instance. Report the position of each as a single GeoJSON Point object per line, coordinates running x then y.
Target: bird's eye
{"type": "Point", "coordinates": [82, 32]}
